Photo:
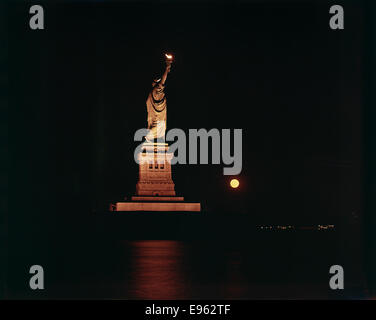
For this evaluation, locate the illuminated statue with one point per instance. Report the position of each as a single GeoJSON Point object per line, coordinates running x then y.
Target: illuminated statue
{"type": "Point", "coordinates": [157, 107]}
{"type": "Point", "coordinates": [155, 189]}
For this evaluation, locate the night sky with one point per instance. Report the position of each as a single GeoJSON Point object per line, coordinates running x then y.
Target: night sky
{"type": "Point", "coordinates": [277, 71]}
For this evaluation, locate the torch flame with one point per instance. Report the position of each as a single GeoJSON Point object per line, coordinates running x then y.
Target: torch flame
{"type": "Point", "coordinates": [168, 56]}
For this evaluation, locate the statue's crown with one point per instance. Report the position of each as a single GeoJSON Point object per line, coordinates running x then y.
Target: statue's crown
{"type": "Point", "coordinates": [155, 81]}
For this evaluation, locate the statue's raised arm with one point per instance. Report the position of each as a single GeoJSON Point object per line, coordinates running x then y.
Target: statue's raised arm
{"type": "Point", "coordinates": [157, 106]}
{"type": "Point", "coordinates": [164, 77]}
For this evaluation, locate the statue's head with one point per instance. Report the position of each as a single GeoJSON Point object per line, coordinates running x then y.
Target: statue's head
{"type": "Point", "coordinates": [156, 81]}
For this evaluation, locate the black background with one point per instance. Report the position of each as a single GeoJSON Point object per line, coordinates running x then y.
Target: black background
{"type": "Point", "coordinates": [277, 71]}
{"type": "Point", "coordinates": [78, 91]}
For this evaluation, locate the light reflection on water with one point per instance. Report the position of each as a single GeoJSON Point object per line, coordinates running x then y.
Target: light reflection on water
{"type": "Point", "coordinates": [193, 270]}
{"type": "Point", "coordinates": [156, 270]}
{"type": "Point", "coordinates": [266, 266]}
{"type": "Point", "coordinates": [181, 270]}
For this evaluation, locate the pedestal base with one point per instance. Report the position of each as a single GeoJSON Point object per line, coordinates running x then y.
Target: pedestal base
{"type": "Point", "coordinates": [155, 198]}
{"type": "Point", "coordinates": [155, 190]}
{"type": "Point", "coordinates": [156, 206]}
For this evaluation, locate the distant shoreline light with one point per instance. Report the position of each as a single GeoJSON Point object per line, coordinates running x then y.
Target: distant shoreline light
{"type": "Point", "coordinates": [319, 227]}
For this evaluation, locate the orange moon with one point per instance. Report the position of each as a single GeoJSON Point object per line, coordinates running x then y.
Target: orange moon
{"type": "Point", "coordinates": [234, 183]}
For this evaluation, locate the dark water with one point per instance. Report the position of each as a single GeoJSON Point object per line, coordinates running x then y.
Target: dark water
{"type": "Point", "coordinates": [264, 265]}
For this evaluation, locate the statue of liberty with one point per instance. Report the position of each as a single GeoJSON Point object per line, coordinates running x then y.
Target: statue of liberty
{"type": "Point", "coordinates": [157, 107]}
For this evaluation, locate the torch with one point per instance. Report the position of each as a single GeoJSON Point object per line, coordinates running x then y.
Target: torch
{"type": "Point", "coordinates": [169, 58]}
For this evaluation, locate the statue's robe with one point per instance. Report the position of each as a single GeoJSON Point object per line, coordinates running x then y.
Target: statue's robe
{"type": "Point", "coordinates": [157, 113]}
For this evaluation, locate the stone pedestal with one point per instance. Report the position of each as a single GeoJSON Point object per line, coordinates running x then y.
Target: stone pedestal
{"type": "Point", "coordinates": [155, 171]}
{"type": "Point", "coordinates": [155, 190]}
